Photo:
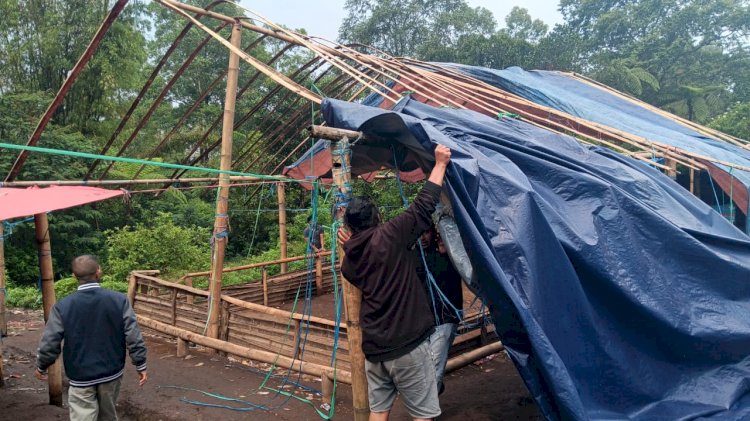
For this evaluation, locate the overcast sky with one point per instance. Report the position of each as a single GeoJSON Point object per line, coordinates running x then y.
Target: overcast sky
{"type": "Point", "coordinates": [323, 17]}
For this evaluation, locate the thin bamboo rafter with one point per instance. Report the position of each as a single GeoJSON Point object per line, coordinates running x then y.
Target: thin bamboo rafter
{"type": "Point", "coordinates": [351, 72]}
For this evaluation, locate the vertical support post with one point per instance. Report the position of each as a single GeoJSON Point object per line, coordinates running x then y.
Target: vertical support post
{"type": "Point", "coordinates": [672, 164]}
{"type": "Point", "coordinates": [281, 194]}
{"type": "Point", "coordinates": [132, 285]}
{"type": "Point", "coordinates": [326, 386]}
{"type": "Point", "coordinates": [692, 181]}
{"type": "Point", "coordinates": [173, 316]}
{"type": "Point", "coordinates": [221, 224]}
{"type": "Point", "coordinates": [3, 294]}
{"type": "Point", "coordinates": [189, 297]}
{"type": "Point", "coordinates": [264, 280]}
{"type": "Point", "coordinates": [319, 273]}
{"type": "Point", "coordinates": [54, 372]}
{"type": "Point", "coordinates": [182, 347]}
{"type": "Point", "coordinates": [341, 157]}
{"type": "Point", "coordinates": [2, 376]}
{"type": "Point", "coordinates": [224, 331]}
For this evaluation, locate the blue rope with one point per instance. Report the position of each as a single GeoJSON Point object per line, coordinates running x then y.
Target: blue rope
{"type": "Point", "coordinates": [713, 188]}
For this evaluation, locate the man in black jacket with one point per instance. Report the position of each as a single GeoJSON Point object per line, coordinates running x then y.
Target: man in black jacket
{"type": "Point", "coordinates": [97, 325]}
{"type": "Point", "coordinates": [395, 316]}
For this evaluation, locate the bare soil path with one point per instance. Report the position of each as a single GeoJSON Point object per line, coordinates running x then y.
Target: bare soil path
{"type": "Point", "coordinates": [487, 390]}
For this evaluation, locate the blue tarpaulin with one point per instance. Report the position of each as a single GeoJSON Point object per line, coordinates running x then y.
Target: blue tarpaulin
{"type": "Point", "coordinates": [562, 92]}
{"type": "Point", "coordinates": [617, 294]}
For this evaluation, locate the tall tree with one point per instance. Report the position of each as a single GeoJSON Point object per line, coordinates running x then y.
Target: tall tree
{"type": "Point", "coordinates": [43, 39]}
{"type": "Point", "coordinates": [680, 55]}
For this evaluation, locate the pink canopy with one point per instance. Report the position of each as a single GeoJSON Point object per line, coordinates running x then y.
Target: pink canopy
{"type": "Point", "coordinates": [17, 202]}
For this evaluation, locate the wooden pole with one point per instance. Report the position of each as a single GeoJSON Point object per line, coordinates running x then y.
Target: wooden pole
{"type": "Point", "coordinates": [54, 372]}
{"type": "Point", "coordinates": [264, 280]}
{"type": "Point", "coordinates": [3, 322]}
{"type": "Point", "coordinates": [319, 273]}
{"type": "Point", "coordinates": [341, 170]}
{"type": "Point", "coordinates": [44, 183]}
{"type": "Point", "coordinates": [182, 347]}
{"type": "Point", "coordinates": [221, 224]}
{"type": "Point", "coordinates": [281, 194]}
{"type": "Point", "coordinates": [132, 285]}
{"type": "Point", "coordinates": [473, 355]}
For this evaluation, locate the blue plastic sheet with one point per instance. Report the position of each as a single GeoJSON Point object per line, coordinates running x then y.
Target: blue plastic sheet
{"type": "Point", "coordinates": [562, 92]}
{"type": "Point", "coordinates": [617, 294]}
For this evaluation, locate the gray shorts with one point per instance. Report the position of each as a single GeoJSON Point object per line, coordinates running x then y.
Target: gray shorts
{"type": "Point", "coordinates": [412, 376]}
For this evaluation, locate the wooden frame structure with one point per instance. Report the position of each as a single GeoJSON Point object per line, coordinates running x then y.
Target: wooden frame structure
{"type": "Point", "coordinates": [349, 72]}
{"type": "Point", "coordinates": [250, 327]}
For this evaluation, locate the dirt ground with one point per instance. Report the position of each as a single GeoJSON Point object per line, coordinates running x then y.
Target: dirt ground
{"type": "Point", "coordinates": [487, 390]}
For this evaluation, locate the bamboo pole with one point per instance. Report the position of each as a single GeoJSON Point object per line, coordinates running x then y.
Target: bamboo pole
{"type": "Point", "coordinates": [54, 372]}
{"type": "Point", "coordinates": [132, 284]}
{"type": "Point", "coordinates": [254, 354]}
{"type": "Point", "coordinates": [341, 170]}
{"type": "Point", "coordinates": [2, 376]}
{"type": "Point", "coordinates": [281, 194]}
{"type": "Point", "coordinates": [473, 355]}
{"type": "Point", "coordinates": [319, 273]}
{"type": "Point", "coordinates": [221, 224]}
{"type": "Point", "coordinates": [45, 183]}
{"type": "Point", "coordinates": [264, 280]}
{"type": "Point", "coordinates": [270, 72]}
{"type": "Point", "coordinates": [3, 321]}
{"type": "Point", "coordinates": [182, 347]}
{"type": "Point", "coordinates": [254, 265]}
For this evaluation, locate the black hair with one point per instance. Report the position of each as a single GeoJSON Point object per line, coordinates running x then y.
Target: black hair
{"type": "Point", "coordinates": [309, 218]}
{"type": "Point", "coordinates": [85, 268]}
{"type": "Point", "coordinates": [361, 213]}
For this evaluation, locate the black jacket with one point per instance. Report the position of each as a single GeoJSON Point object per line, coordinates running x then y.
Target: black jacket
{"type": "Point", "coordinates": [97, 325]}
{"type": "Point", "coordinates": [381, 261]}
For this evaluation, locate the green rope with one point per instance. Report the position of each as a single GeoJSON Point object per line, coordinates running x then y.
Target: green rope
{"type": "Point", "coordinates": [141, 161]}
{"type": "Point", "coordinates": [511, 115]}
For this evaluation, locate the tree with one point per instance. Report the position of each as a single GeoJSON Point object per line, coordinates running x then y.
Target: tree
{"type": "Point", "coordinates": [735, 121]}
{"type": "Point", "coordinates": [520, 25]}
{"type": "Point", "coordinates": [413, 27]}
{"type": "Point", "coordinates": [683, 56]}
{"type": "Point", "coordinates": [43, 40]}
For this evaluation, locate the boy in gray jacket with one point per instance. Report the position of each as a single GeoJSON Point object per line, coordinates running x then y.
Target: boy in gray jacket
{"type": "Point", "coordinates": [97, 326]}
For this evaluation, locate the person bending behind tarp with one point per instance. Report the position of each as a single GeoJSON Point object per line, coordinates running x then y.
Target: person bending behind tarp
{"type": "Point", "coordinates": [98, 325]}
{"type": "Point", "coordinates": [447, 297]}
{"type": "Point", "coordinates": [396, 317]}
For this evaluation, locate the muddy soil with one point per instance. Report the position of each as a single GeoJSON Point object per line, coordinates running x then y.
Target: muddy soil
{"type": "Point", "coordinates": [489, 389]}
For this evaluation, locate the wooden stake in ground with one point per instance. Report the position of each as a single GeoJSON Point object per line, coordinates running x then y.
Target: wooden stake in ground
{"type": "Point", "coordinates": [221, 224]}
{"type": "Point", "coordinates": [342, 175]}
{"type": "Point", "coordinates": [54, 372]}
{"type": "Point", "coordinates": [281, 193]}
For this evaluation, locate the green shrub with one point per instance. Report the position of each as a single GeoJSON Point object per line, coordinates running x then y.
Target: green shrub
{"type": "Point", "coordinates": [163, 246]}
{"type": "Point", "coordinates": [65, 287]}
{"type": "Point", "coordinates": [25, 297]}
